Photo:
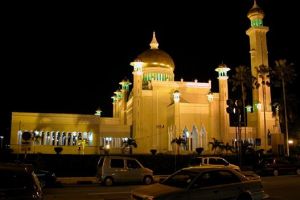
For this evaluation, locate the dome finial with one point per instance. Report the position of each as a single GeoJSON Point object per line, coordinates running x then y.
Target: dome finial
{"type": "Point", "coordinates": [255, 4]}
{"type": "Point", "coordinates": [154, 44]}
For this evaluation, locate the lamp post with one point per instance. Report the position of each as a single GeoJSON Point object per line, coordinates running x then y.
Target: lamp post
{"type": "Point", "coordinates": [1, 141]}
{"type": "Point", "coordinates": [98, 113]}
{"type": "Point", "coordinates": [234, 108]}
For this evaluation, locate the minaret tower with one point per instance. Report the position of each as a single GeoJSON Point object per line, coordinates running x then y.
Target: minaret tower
{"type": "Point", "coordinates": [137, 97]}
{"type": "Point", "coordinates": [261, 97]}
{"type": "Point", "coordinates": [124, 90]}
{"type": "Point", "coordinates": [222, 70]}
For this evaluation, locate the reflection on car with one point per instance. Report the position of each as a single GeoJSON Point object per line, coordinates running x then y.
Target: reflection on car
{"type": "Point", "coordinates": [18, 181]}
{"type": "Point", "coordinates": [203, 183]}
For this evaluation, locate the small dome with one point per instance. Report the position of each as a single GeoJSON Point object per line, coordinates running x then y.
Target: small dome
{"type": "Point", "coordinates": [255, 10]}
{"type": "Point", "coordinates": [155, 57]}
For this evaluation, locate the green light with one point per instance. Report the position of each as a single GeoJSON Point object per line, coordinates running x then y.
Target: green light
{"type": "Point", "coordinates": [256, 22]}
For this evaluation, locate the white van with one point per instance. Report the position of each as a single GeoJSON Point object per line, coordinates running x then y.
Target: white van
{"type": "Point", "coordinates": [119, 169]}
{"type": "Point", "coordinates": [213, 161]}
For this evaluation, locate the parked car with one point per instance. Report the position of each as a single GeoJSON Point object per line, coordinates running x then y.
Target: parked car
{"type": "Point", "coordinates": [278, 166]}
{"type": "Point", "coordinates": [118, 169]}
{"type": "Point", "coordinates": [213, 161]}
{"type": "Point", "coordinates": [46, 178]}
{"type": "Point", "coordinates": [18, 181]}
{"type": "Point", "coordinates": [202, 183]}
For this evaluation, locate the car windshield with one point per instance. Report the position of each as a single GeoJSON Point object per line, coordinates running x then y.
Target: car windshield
{"type": "Point", "coordinates": [181, 179]}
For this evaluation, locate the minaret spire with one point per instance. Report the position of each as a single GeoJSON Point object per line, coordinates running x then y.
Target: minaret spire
{"type": "Point", "coordinates": [255, 4]}
{"type": "Point", "coordinates": [154, 44]}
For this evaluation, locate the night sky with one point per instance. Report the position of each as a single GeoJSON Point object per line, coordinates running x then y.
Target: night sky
{"type": "Point", "coordinates": [70, 57]}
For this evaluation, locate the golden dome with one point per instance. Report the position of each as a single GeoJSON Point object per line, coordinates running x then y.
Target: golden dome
{"type": "Point", "coordinates": [155, 57]}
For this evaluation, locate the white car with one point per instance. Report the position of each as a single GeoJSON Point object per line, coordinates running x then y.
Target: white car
{"type": "Point", "coordinates": [213, 161]}
{"type": "Point", "coordinates": [203, 183]}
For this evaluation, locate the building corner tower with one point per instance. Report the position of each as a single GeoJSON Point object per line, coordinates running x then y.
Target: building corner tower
{"type": "Point", "coordinates": [261, 118]}
{"type": "Point", "coordinates": [137, 98]}
{"type": "Point", "coordinates": [222, 70]}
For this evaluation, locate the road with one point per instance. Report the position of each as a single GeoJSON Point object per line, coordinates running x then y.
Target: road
{"type": "Point", "coordinates": [279, 188]}
{"type": "Point", "coordinates": [282, 187]}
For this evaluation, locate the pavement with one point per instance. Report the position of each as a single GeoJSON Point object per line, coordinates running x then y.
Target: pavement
{"type": "Point", "coordinates": [91, 180]}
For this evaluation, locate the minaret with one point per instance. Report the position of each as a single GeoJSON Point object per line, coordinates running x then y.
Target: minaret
{"type": "Point", "coordinates": [124, 90]}
{"type": "Point", "coordinates": [259, 57]}
{"type": "Point", "coordinates": [118, 95]}
{"type": "Point", "coordinates": [137, 97]}
{"type": "Point", "coordinates": [114, 99]}
{"type": "Point", "coordinates": [222, 70]}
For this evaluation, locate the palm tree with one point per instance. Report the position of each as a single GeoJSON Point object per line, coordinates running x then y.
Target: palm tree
{"type": "Point", "coordinates": [215, 144]}
{"type": "Point", "coordinates": [284, 73]}
{"type": "Point", "coordinates": [242, 79]}
{"type": "Point", "coordinates": [179, 141]}
{"type": "Point", "coordinates": [129, 143]}
{"type": "Point", "coordinates": [263, 73]}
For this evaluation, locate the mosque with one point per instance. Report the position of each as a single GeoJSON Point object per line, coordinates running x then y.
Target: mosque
{"type": "Point", "coordinates": [155, 110]}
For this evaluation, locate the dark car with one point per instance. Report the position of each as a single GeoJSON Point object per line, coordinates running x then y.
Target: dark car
{"type": "Point", "coordinates": [46, 178]}
{"type": "Point", "coordinates": [203, 183]}
{"type": "Point", "coordinates": [18, 181]}
{"type": "Point", "coordinates": [278, 166]}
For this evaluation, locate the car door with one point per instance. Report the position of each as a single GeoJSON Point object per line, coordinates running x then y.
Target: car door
{"type": "Point", "coordinates": [204, 187]}
{"type": "Point", "coordinates": [135, 171]}
{"type": "Point", "coordinates": [229, 184]}
{"type": "Point", "coordinates": [117, 170]}
{"type": "Point", "coordinates": [219, 184]}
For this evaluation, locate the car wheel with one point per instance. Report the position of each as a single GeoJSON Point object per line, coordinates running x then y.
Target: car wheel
{"type": "Point", "coordinates": [275, 172]}
{"type": "Point", "coordinates": [148, 180]}
{"type": "Point", "coordinates": [108, 181]}
{"type": "Point", "coordinates": [298, 171]}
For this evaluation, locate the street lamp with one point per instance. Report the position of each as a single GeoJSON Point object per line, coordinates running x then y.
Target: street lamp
{"type": "Point", "coordinates": [98, 113]}
{"type": "Point", "coordinates": [1, 141]}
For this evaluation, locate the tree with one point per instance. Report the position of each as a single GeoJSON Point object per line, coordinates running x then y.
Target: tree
{"type": "Point", "coordinates": [179, 141]}
{"type": "Point", "coordinates": [263, 73]}
{"type": "Point", "coordinates": [284, 73]}
{"type": "Point", "coordinates": [243, 80]}
{"type": "Point", "coordinates": [129, 143]}
{"type": "Point", "coordinates": [215, 144]}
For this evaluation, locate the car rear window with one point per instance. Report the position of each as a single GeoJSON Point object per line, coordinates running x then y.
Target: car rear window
{"type": "Point", "coordinates": [196, 161]}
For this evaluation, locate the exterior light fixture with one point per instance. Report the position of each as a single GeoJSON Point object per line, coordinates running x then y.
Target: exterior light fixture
{"type": "Point", "coordinates": [210, 96]}
{"type": "Point", "coordinates": [98, 112]}
{"type": "Point", "coordinates": [258, 106]}
{"type": "Point", "coordinates": [249, 108]}
{"type": "Point", "coordinates": [290, 141]}
{"type": "Point", "coordinates": [138, 65]}
{"type": "Point", "coordinates": [176, 96]}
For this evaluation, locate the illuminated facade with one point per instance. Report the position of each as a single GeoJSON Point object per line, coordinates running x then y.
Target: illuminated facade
{"type": "Point", "coordinates": [157, 110]}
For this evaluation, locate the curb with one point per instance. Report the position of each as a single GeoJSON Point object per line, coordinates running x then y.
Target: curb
{"type": "Point", "coordinates": [93, 180]}
{"type": "Point", "coordinates": [77, 180]}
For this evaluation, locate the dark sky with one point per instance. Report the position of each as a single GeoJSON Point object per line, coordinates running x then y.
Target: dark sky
{"type": "Point", "coordinates": [69, 57]}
